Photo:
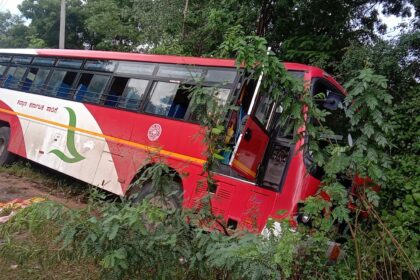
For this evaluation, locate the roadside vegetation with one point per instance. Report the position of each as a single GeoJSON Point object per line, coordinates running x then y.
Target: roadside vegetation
{"type": "Point", "coordinates": [118, 240]}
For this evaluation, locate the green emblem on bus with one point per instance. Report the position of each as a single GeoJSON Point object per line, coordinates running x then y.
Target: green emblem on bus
{"type": "Point", "coordinates": [71, 147]}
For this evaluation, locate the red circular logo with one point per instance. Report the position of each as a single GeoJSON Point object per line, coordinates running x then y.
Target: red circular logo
{"type": "Point", "coordinates": [155, 130]}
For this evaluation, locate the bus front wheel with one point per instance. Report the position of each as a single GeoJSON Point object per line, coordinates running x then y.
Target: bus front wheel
{"type": "Point", "coordinates": [6, 157]}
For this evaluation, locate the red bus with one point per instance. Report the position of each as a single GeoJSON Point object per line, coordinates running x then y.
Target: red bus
{"type": "Point", "coordinates": [97, 116]}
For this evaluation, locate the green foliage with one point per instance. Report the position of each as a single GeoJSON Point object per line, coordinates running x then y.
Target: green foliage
{"type": "Point", "coordinates": [382, 107]}
{"type": "Point", "coordinates": [369, 110]}
{"type": "Point", "coordinates": [398, 61]}
{"type": "Point", "coordinates": [369, 104]}
{"type": "Point", "coordinates": [401, 195]}
{"type": "Point", "coordinates": [123, 240]}
{"type": "Point", "coordinates": [13, 32]}
{"type": "Point", "coordinates": [112, 25]}
{"type": "Point", "coordinates": [44, 16]}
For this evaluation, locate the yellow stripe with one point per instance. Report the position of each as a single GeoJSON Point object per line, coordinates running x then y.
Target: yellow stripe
{"type": "Point", "coordinates": [114, 139]}
{"type": "Point", "coordinates": [243, 168]}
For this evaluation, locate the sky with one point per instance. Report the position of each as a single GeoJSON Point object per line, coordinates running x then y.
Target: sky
{"type": "Point", "coordinates": [10, 5]}
{"type": "Point", "coordinates": [391, 21]}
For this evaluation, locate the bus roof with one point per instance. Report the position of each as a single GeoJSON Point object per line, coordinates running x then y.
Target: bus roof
{"type": "Point", "coordinates": [125, 56]}
{"type": "Point", "coordinates": [172, 59]}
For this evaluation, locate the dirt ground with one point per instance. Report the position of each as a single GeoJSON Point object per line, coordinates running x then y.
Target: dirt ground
{"type": "Point", "coordinates": [23, 182]}
{"type": "Point", "coordinates": [15, 187]}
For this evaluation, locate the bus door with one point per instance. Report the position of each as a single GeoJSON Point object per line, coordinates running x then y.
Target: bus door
{"type": "Point", "coordinates": [254, 138]}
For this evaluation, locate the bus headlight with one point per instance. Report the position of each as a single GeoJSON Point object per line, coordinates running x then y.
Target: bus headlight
{"type": "Point", "coordinates": [303, 219]}
{"type": "Point", "coordinates": [273, 230]}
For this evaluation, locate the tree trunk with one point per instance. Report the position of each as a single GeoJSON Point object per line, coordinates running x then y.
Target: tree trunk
{"type": "Point", "coordinates": [185, 18]}
{"type": "Point", "coordinates": [264, 17]}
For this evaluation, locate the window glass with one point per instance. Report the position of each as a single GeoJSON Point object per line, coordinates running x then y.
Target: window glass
{"type": "Point", "coordinates": [222, 95]}
{"type": "Point", "coordinates": [90, 87]}
{"type": "Point", "coordinates": [30, 77]}
{"type": "Point", "coordinates": [264, 108]}
{"type": "Point", "coordinates": [297, 74]}
{"type": "Point", "coordinates": [336, 121]}
{"type": "Point", "coordinates": [133, 94]}
{"type": "Point", "coordinates": [43, 61]}
{"type": "Point", "coordinates": [96, 88]}
{"type": "Point", "coordinates": [55, 82]}
{"type": "Point", "coordinates": [14, 77]}
{"type": "Point", "coordinates": [179, 72]}
{"type": "Point", "coordinates": [60, 83]}
{"type": "Point", "coordinates": [135, 68]}
{"type": "Point", "coordinates": [22, 59]}
{"type": "Point", "coordinates": [220, 76]}
{"type": "Point", "coordinates": [70, 63]}
{"type": "Point", "coordinates": [4, 58]}
{"type": "Point", "coordinates": [40, 79]}
{"type": "Point", "coordinates": [161, 98]}
{"type": "Point", "coordinates": [2, 69]}
{"type": "Point", "coordinates": [100, 65]}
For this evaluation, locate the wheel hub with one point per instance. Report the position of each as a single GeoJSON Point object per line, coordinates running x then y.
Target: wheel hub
{"type": "Point", "coordinates": [162, 202]}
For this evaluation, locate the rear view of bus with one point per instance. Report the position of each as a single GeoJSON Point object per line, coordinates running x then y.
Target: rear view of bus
{"type": "Point", "coordinates": [104, 117]}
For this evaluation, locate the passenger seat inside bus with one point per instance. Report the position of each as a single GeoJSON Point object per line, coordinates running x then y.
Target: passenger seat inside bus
{"type": "Point", "coordinates": [80, 92]}
{"type": "Point", "coordinates": [177, 111]}
{"type": "Point", "coordinates": [63, 90]}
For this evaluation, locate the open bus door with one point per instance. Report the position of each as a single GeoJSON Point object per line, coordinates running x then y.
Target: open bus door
{"type": "Point", "coordinates": [253, 139]}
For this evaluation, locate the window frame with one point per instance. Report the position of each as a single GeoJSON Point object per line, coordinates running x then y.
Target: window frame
{"type": "Point", "coordinates": [105, 89]}
{"type": "Point", "coordinates": [20, 82]}
{"type": "Point", "coordinates": [71, 90]}
{"type": "Point", "coordinates": [27, 73]}
{"type": "Point", "coordinates": [154, 77]}
{"type": "Point", "coordinates": [142, 98]}
{"type": "Point", "coordinates": [6, 68]}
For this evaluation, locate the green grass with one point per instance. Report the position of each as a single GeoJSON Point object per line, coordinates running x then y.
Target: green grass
{"type": "Point", "coordinates": [25, 255]}
{"type": "Point", "coordinates": [27, 258]}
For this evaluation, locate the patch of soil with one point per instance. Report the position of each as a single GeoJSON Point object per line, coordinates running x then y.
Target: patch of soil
{"type": "Point", "coordinates": [14, 187]}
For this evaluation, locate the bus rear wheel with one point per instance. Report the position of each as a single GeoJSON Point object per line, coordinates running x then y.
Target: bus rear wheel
{"type": "Point", "coordinates": [6, 157]}
{"type": "Point", "coordinates": [171, 199]}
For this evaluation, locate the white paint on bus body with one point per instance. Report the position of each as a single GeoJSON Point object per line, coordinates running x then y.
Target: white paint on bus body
{"type": "Point", "coordinates": [97, 167]}
{"type": "Point", "coordinates": [19, 51]}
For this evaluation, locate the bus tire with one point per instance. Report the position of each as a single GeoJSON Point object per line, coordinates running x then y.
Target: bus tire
{"type": "Point", "coordinates": [172, 200]}
{"type": "Point", "coordinates": [6, 157]}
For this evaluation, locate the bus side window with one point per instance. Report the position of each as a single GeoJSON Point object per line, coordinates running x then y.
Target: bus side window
{"type": "Point", "coordinates": [116, 90]}
{"type": "Point", "coordinates": [2, 69]}
{"type": "Point", "coordinates": [220, 94]}
{"type": "Point", "coordinates": [161, 98]}
{"type": "Point", "coordinates": [60, 83]}
{"type": "Point", "coordinates": [29, 79]}
{"type": "Point", "coordinates": [14, 77]}
{"type": "Point", "coordinates": [90, 87]}
{"type": "Point", "coordinates": [39, 80]}
{"type": "Point", "coordinates": [169, 99]}
{"type": "Point", "coordinates": [180, 104]}
{"type": "Point", "coordinates": [133, 94]}
{"type": "Point", "coordinates": [336, 121]}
